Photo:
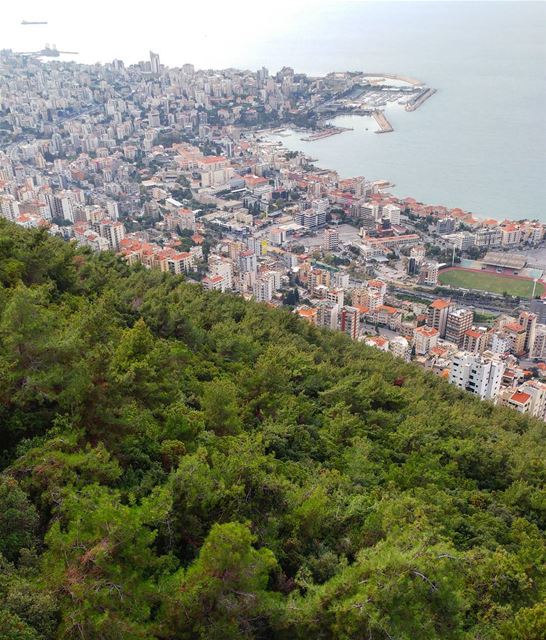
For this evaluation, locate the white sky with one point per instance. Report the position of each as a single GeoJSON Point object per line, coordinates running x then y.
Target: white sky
{"type": "Point", "coordinates": [103, 29]}
{"type": "Point", "coordinates": [213, 33]}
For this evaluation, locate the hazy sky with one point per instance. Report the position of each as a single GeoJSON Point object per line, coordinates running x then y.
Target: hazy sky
{"type": "Point", "coordinates": [214, 33]}
{"type": "Point", "coordinates": [206, 32]}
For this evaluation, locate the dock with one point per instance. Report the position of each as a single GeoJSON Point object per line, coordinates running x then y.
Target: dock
{"type": "Point", "coordinates": [384, 125]}
{"type": "Point", "coordinates": [325, 133]}
{"type": "Point", "coordinates": [418, 100]}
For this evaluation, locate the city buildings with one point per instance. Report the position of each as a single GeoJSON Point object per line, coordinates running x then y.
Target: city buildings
{"type": "Point", "coordinates": [175, 171]}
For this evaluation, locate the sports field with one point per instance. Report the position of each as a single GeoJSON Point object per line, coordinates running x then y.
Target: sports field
{"type": "Point", "coordinates": [491, 282]}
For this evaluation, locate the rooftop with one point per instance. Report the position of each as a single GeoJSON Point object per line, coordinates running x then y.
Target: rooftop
{"type": "Point", "coordinates": [519, 397]}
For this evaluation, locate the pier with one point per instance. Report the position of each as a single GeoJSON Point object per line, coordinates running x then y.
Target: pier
{"type": "Point", "coordinates": [418, 100]}
{"type": "Point", "coordinates": [325, 133]}
{"type": "Point", "coordinates": [384, 125]}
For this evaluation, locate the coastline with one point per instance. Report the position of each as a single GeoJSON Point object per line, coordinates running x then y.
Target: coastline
{"type": "Point", "coordinates": [388, 183]}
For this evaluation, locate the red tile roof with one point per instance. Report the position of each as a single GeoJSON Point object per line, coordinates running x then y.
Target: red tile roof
{"type": "Point", "coordinates": [519, 397]}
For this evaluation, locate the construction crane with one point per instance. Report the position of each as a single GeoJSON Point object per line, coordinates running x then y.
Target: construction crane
{"type": "Point", "coordinates": [25, 22]}
{"type": "Point", "coordinates": [49, 51]}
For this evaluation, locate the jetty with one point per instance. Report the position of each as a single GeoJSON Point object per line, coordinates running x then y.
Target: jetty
{"type": "Point", "coordinates": [418, 100]}
{"type": "Point", "coordinates": [381, 119]}
{"type": "Point", "coordinates": [325, 133]}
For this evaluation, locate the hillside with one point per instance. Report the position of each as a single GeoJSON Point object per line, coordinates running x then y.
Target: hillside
{"type": "Point", "coordinates": [178, 464]}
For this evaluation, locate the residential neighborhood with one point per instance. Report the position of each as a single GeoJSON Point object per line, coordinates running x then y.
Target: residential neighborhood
{"type": "Point", "coordinates": [184, 171]}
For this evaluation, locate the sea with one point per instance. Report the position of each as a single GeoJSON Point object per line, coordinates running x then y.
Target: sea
{"type": "Point", "coordinates": [479, 143]}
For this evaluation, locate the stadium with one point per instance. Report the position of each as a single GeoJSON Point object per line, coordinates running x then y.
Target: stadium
{"type": "Point", "coordinates": [497, 273]}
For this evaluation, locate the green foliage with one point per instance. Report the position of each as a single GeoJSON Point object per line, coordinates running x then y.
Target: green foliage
{"type": "Point", "coordinates": [184, 464]}
{"type": "Point", "coordinates": [100, 563]}
{"type": "Point", "coordinates": [18, 520]}
{"type": "Point", "coordinates": [223, 594]}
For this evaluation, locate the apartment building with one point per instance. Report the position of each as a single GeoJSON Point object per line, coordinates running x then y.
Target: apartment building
{"type": "Point", "coordinates": [425, 339]}
{"type": "Point", "coordinates": [437, 314]}
{"type": "Point", "coordinates": [481, 375]}
{"type": "Point", "coordinates": [459, 321]}
{"type": "Point", "coordinates": [350, 321]}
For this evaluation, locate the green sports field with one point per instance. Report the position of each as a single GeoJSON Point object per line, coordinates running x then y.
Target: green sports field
{"type": "Point", "coordinates": [490, 282]}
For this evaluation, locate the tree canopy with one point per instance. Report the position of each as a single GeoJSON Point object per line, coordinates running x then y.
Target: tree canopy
{"type": "Point", "coordinates": [180, 464]}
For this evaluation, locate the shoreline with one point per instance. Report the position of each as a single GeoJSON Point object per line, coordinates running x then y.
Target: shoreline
{"type": "Point", "coordinates": [479, 217]}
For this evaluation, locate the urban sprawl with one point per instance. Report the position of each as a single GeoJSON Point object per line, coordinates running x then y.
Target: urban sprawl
{"type": "Point", "coordinates": [184, 171]}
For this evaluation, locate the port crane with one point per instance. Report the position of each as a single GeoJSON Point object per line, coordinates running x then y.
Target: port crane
{"type": "Point", "coordinates": [49, 51]}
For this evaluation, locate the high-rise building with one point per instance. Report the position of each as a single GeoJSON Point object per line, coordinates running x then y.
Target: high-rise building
{"type": "Point", "coordinates": [537, 392]}
{"type": "Point", "coordinates": [262, 289]}
{"type": "Point", "coordinates": [437, 315]}
{"type": "Point", "coordinates": [516, 335]}
{"type": "Point", "coordinates": [458, 322]}
{"type": "Point", "coordinates": [412, 266]}
{"type": "Point", "coordinates": [391, 213]}
{"type": "Point", "coordinates": [331, 240]}
{"type": "Point", "coordinates": [155, 65]}
{"type": "Point", "coordinates": [538, 349]}
{"type": "Point", "coordinates": [425, 339]}
{"type": "Point", "coordinates": [327, 314]}
{"type": "Point", "coordinates": [478, 374]}
{"type": "Point", "coordinates": [474, 341]}
{"type": "Point", "coordinates": [154, 119]}
{"type": "Point", "coordinates": [247, 262]}
{"type": "Point", "coordinates": [114, 232]}
{"type": "Point", "coordinates": [529, 322]}
{"type": "Point", "coordinates": [350, 319]}
{"type": "Point", "coordinates": [113, 209]}
{"type": "Point", "coordinates": [337, 296]}
{"type": "Point", "coordinates": [9, 207]}
{"type": "Point", "coordinates": [429, 273]}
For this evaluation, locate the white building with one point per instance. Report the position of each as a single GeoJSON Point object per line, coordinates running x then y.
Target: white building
{"type": "Point", "coordinates": [247, 262]}
{"type": "Point", "coordinates": [537, 392]}
{"type": "Point", "coordinates": [426, 338]}
{"type": "Point", "coordinates": [155, 65]}
{"type": "Point", "coordinates": [478, 374]}
{"type": "Point", "coordinates": [9, 207]}
{"type": "Point", "coordinates": [400, 348]}
{"type": "Point", "coordinates": [262, 290]}
{"type": "Point", "coordinates": [327, 314]}
{"type": "Point", "coordinates": [500, 343]}
{"type": "Point", "coordinates": [392, 213]}
{"type": "Point", "coordinates": [223, 268]}
{"type": "Point", "coordinates": [114, 232]}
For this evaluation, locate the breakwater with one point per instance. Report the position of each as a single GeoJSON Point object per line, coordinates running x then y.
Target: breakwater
{"type": "Point", "coordinates": [325, 133]}
{"type": "Point", "coordinates": [418, 100]}
{"type": "Point", "coordinates": [384, 125]}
